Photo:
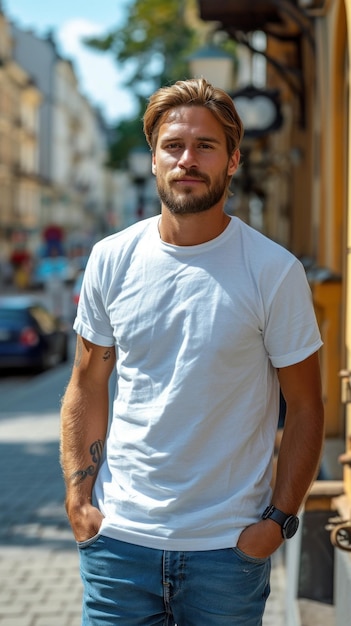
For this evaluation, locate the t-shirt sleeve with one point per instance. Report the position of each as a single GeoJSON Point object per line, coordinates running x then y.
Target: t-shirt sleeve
{"type": "Point", "coordinates": [291, 333]}
{"type": "Point", "coordinates": [92, 321]}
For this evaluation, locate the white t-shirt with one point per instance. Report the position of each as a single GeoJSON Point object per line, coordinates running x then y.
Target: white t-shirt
{"type": "Point", "coordinates": [199, 332]}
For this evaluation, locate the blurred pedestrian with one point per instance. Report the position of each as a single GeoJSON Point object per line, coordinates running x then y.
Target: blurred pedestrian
{"type": "Point", "coordinates": [204, 319]}
{"type": "Point", "coordinates": [21, 261]}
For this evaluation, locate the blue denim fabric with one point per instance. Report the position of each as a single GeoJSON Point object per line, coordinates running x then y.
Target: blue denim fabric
{"type": "Point", "coordinates": [130, 585]}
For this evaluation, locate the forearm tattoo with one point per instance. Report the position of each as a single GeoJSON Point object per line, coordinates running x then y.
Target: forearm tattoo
{"type": "Point", "coordinates": [107, 355]}
{"type": "Point", "coordinates": [96, 452]}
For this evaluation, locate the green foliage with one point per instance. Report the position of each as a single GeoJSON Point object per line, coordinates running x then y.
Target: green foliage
{"type": "Point", "coordinates": [152, 46]}
{"type": "Point", "coordinates": [127, 135]}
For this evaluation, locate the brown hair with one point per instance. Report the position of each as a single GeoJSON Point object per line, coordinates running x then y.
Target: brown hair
{"type": "Point", "coordinates": [193, 92]}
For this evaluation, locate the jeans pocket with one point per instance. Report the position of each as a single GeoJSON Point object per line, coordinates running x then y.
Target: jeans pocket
{"type": "Point", "coordinates": [88, 542]}
{"type": "Point", "coordinates": [249, 559]}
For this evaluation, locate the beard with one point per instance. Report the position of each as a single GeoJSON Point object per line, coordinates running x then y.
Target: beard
{"type": "Point", "coordinates": [188, 202]}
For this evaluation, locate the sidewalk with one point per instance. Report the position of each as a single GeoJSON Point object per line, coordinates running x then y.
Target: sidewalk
{"type": "Point", "coordinates": [39, 577]}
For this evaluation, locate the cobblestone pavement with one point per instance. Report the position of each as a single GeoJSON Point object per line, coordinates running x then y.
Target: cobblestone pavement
{"type": "Point", "coordinates": [39, 577]}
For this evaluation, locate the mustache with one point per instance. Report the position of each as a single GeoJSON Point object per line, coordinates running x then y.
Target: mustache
{"type": "Point", "coordinates": [191, 173]}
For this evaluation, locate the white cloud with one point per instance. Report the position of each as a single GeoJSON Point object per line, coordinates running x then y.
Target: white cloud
{"type": "Point", "coordinates": [97, 73]}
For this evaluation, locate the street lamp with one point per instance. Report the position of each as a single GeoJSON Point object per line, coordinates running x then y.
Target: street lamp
{"type": "Point", "coordinates": [214, 64]}
{"type": "Point", "coordinates": [140, 168]}
{"type": "Point", "coordinates": [259, 108]}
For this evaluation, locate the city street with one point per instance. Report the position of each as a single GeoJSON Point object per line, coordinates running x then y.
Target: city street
{"type": "Point", "coordinates": [39, 576]}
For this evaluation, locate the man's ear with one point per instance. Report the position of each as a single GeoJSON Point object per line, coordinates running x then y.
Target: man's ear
{"type": "Point", "coordinates": [234, 161]}
{"type": "Point", "coordinates": [153, 166]}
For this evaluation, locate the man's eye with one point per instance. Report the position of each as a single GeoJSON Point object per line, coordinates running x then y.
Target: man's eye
{"type": "Point", "coordinates": [205, 146]}
{"type": "Point", "coordinates": [172, 146]}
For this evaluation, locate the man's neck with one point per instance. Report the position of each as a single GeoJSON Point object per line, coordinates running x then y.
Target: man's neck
{"type": "Point", "coordinates": [192, 229]}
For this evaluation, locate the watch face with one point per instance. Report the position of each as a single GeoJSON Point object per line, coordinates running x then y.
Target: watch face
{"type": "Point", "coordinates": [290, 527]}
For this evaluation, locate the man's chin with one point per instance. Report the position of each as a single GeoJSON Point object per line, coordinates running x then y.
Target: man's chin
{"type": "Point", "coordinates": [187, 208]}
{"type": "Point", "coordinates": [189, 200]}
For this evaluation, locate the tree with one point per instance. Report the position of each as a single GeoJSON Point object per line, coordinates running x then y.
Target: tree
{"type": "Point", "coordinates": [153, 45]}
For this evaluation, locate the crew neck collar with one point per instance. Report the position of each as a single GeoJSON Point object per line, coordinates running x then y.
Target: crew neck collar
{"type": "Point", "coordinates": [198, 247]}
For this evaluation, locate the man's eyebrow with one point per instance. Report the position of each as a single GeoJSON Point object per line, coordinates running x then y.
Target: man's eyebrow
{"type": "Point", "coordinates": [170, 138]}
{"type": "Point", "coordinates": [167, 138]}
{"type": "Point", "coordinates": [208, 139]}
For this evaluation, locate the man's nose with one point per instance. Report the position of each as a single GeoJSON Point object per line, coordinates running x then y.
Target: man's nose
{"type": "Point", "coordinates": [188, 158]}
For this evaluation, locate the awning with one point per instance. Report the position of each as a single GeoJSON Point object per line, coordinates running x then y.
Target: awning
{"type": "Point", "coordinates": [244, 15]}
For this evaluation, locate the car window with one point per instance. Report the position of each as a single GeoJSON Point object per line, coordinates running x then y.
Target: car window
{"type": "Point", "coordinates": [12, 315]}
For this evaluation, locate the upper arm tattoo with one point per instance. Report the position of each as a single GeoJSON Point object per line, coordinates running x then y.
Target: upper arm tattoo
{"type": "Point", "coordinates": [107, 355]}
{"type": "Point", "coordinates": [79, 353]}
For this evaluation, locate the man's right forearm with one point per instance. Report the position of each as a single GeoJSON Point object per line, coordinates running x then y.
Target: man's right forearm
{"type": "Point", "coordinates": [80, 475]}
{"type": "Point", "coordinates": [84, 417]}
{"type": "Point", "coordinates": [84, 420]}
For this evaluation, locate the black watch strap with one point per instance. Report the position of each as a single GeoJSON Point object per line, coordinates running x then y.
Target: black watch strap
{"type": "Point", "coordinates": [288, 523]}
{"type": "Point", "coordinates": [275, 514]}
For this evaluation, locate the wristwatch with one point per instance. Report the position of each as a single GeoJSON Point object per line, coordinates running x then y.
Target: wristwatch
{"type": "Point", "coordinates": [288, 523]}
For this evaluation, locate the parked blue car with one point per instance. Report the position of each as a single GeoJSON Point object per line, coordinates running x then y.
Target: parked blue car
{"type": "Point", "coordinates": [30, 336]}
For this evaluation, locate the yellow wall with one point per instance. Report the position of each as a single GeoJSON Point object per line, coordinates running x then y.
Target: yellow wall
{"type": "Point", "coordinates": [347, 471]}
{"type": "Point", "coordinates": [329, 212]}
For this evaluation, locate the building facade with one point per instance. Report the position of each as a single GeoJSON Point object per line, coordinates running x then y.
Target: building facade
{"type": "Point", "coordinates": [53, 151]}
{"type": "Point", "coordinates": [299, 177]}
{"type": "Point", "coordinates": [20, 100]}
{"type": "Point", "coordinates": [73, 140]}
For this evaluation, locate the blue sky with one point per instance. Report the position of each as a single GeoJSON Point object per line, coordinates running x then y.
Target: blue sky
{"type": "Point", "coordinates": [99, 77]}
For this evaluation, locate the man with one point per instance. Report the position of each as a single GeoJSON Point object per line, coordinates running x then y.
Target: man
{"type": "Point", "coordinates": [204, 320]}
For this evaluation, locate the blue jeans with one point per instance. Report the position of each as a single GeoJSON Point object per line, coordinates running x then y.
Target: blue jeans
{"type": "Point", "coordinates": [130, 585]}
